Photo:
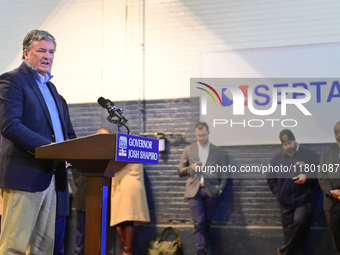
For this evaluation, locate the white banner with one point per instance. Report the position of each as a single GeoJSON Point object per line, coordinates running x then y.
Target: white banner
{"type": "Point", "coordinates": [253, 108]}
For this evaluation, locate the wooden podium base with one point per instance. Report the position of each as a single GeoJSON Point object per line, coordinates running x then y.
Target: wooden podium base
{"type": "Point", "coordinates": [97, 215]}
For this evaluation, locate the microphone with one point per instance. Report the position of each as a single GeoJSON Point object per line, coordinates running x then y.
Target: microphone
{"type": "Point", "coordinates": [112, 109]}
{"type": "Point", "coordinates": [119, 110]}
{"type": "Point", "coordinates": [108, 105]}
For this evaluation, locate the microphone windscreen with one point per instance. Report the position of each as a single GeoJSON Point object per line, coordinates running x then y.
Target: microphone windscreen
{"type": "Point", "coordinates": [102, 101]}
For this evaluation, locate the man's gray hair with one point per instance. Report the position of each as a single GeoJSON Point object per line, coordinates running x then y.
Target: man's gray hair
{"type": "Point", "coordinates": [36, 35]}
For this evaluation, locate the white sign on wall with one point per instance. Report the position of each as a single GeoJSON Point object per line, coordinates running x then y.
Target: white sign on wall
{"type": "Point", "coordinates": [267, 90]}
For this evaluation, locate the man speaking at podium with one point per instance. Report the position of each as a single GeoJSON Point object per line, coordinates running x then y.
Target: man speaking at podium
{"type": "Point", "coordinates": [32, 114]}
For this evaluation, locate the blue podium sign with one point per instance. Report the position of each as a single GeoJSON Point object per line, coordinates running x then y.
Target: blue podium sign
{"type": "Point", "coordinates": [131, 148]}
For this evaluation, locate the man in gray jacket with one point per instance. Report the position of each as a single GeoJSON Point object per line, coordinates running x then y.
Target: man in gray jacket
{"type": "Point", "coordinates": [201, 162]}
{"type": "Point", "coordinates": [329, 180]}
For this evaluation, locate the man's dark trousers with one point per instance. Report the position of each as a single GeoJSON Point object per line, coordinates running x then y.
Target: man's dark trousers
{"type": "Point", "coordinates": [296, 221]}
{"type": "Point", "coordinates": [202, 208]}
{"type": "Point", "coordinates": [333, 221]}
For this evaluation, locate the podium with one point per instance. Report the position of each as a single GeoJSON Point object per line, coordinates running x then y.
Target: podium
{"type": "Point", "coordinates": [94, 156]}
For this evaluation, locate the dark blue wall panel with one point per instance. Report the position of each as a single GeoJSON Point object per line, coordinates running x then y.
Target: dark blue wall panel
{"type": "Point", "coordinates": [247, 220]}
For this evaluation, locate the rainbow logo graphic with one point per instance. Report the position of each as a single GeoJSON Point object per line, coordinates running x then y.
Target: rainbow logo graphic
{"type": "Point", "coordinates": [209, 93]}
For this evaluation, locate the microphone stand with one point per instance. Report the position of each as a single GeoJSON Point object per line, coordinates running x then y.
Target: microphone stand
{"type": "Point", "coordinates": [119, 124]}
{"type": "Point", "coordinates": [114, 112]}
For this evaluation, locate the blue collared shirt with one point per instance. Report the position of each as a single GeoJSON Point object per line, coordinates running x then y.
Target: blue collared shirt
{"type": "Point", "coordinates": [51, 105]}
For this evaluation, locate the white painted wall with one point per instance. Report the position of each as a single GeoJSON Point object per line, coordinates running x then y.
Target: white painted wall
{"type": "Point", "coordinates": [129, 49]}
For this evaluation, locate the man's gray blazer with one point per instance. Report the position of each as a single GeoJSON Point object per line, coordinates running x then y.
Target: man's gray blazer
{"type": "Point", "coordinates": [214, 182]}
{"type": "Point", "coordinates": [330, 181]}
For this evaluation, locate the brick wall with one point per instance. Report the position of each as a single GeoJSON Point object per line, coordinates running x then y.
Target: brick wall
{"type": "Point", "coordinates": [247, 209]}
